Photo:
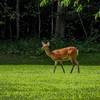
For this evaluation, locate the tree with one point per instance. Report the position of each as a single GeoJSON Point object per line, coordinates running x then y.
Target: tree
{"type": "Point", "coordinates": [39, 20]}
{"type": "Point", "coordinates": [59, 27]}
{"type": "Point", "coordinates": [17, 19]}
{"type": "Point", "coordinates": [52, 21]}
{"type": "Point", "coordinates": [62, 18]}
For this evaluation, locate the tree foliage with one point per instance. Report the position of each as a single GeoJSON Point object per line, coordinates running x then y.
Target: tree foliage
{"type": "Point", "coordinates": [29, 19]}
{"type": "Point", "coordinates": [81, 22]}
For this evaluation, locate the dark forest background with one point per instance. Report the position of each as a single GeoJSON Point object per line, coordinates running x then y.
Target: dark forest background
{"type": "Point", "coordinates": [24, 24]}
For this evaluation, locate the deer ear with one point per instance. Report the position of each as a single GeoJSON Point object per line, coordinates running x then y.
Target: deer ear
{"type": "Point", "coordinates": [43, 43]}
{"type": "Point", "coordinates": [48, 43]}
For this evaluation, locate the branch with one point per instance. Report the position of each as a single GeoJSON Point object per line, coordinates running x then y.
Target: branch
{"type": "Point", "coordinates": [11, 14]}
{"type": "Point", "coordinates": [83, 25]}
{"type": "Point", "coordinates": [5, 8]}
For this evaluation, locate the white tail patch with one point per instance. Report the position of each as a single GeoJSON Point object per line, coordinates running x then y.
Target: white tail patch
{"type": "Point", "coordinates": [77, 52]}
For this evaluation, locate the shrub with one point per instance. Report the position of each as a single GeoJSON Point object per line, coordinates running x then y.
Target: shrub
{"type": "Point", "coordinates": [33, 46]}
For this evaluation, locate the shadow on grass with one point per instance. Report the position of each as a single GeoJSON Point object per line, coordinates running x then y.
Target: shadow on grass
{"type": "Point", "coordinates": [84, 59]}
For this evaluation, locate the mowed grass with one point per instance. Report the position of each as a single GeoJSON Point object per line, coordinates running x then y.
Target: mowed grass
{"type": "Point", "coordinates": [30, 81]}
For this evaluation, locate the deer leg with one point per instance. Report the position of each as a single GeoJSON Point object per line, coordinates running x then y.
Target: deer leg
{"type": "Point", "coordinates": [62, 66]}
{"type": "Point", "coordinates": [77, 65]}
{"type": "Point", "coordinates": [73, 66]}
{"type": "Point", "coordinates": [55, 67]}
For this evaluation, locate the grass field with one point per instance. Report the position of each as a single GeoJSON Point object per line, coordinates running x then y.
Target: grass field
{"type": "Point", "coordinates": [22, 78]}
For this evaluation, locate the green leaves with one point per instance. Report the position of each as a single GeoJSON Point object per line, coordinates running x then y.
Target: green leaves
{"type": "Point", "coordinates": [80, 8]}
{"type": "Point", "coordinates": [65, 3]}
{"type": "Point", "coordinates": [44, 2]}
{"type": "Point", "coordinates": [1, 22]}
{"type": "Point", "coordinates": [76, 3]}
{"type": "Point", "coordinates": [97, 15]}
{"type": "Point", "coordinates": [88, 0]}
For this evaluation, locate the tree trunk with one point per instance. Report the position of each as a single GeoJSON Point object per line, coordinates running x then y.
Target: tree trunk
{"type": "Point", "coordinates": [5, 20]}
{"type": "Point", "coordinates": [59, 29]}
{"type": "Point", "coordinates": [10, 31]}
{"type": "Point", "coordinates": [83, 26]}
{"type": "Point", "coordinates": [52, 22]}
{"type": "Point", "coordinates": [17, 19]}
{"type": "Point", "coordinates": [39, 20]}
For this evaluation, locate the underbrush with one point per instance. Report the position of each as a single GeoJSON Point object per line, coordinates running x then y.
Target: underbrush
{"type": "Point", "coordinates": [32, 47]}
{"type": "Point", "coordinates": [19, 59]}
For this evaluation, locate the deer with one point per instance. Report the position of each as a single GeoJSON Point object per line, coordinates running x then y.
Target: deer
{"type": "Point", "coordinates": [64, 54]}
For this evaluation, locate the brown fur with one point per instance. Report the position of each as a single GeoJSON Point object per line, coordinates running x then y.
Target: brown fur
{"type": "Point", "coordinates": [64, 54]}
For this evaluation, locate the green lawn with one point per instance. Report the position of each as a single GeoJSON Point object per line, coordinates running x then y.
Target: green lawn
{"type": "Point", "coordinates": [22, 78]}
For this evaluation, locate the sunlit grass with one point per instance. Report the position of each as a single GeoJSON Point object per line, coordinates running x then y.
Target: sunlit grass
{"type": "Point", "coordinates": [38, 82]}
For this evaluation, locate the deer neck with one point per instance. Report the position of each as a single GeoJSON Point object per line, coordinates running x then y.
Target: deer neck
{"type": "Point", "coordinates": [48, 52]}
